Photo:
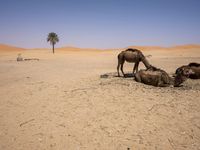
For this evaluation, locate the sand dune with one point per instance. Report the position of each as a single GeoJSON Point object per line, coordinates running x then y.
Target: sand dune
{"type": "Point", "coordinates": [144, 48]}
{"type": "Point", "coordinates": [178, 47]}
{"type": "Point", "coordinates": [4, 47]}
{"type": "Point", "coordinates": [147, 47]}
{"type": "Point", "coordinates": [8, 48]}
{"type": "Point", "coordinates": [77, 49]}
{"type": "Point", "coordinates": [189, 46]}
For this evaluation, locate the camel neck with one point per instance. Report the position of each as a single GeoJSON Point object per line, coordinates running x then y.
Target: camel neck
{"type": "Point", "coordinates": [146, 63]}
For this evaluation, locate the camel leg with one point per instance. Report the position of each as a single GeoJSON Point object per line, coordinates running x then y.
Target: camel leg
{"type": "Point", "coordinates": [122, 64]}
{"type": "Point", "coordinates": [118, 68]}
{"type": "Point", "coordinates": [161, 83]}
{"type": "Point", "coordinates": [138, 78]}
{"type": "Point", "coordinates": [135, 67]}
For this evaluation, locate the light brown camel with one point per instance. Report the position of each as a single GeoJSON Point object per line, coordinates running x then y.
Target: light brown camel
{"type": "Point", "coordinates": [132, 56]}
{"type": "Point", "coordinates": [195, 67]}
{"type": "Point", "coordinates": [158, 77]}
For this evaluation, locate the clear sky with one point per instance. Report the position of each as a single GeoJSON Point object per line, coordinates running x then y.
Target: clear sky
{"type": "Point", "coordinates": [100, 23]}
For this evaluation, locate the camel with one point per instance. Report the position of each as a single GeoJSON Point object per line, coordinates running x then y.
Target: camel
{"type": "Point", "coordinates": [195, 67]}
{"type": "Point", "coordinates": [158, 77]}
{"type": "Point", "coordinates": [20, 58]}
{"type": "Point", "coordinates": [132, 56]}
{"type": "Point", "coordinates": [154, 76]}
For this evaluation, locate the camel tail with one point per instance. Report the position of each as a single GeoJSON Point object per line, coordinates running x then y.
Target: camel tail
{"type": "Point", "coordinates": [120, 56]}
{"type": "Point", "coordinates": [120, 62]}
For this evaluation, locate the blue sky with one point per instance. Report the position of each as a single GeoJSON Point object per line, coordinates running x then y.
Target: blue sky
{"type": "Point", "coordinates": [100, 23]}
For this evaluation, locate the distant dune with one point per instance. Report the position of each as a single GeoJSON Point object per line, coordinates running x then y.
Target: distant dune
{"type": "Point", "coordinates": [8, 48]}
{"type": "Point", "coordinates": [38, 49]}
{"type": "Point", "coordinates": [67, 48]}
{"type": "Point", "coordinates": [178, 47]}
{"type": "Point", "coordinates": [77, 49]}
{"type": "Point", "coordinates": [148, 47]}
{"type": "Point", "coordinates": [189, 46]}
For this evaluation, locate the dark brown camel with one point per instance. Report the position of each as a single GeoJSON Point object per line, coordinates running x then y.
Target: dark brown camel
{"type": "Point", "coordinates": [158, 77]}
{"type": "Point", "coordinates": [132, 56]}
{"type": "Point", "coordinates": [195, 67]}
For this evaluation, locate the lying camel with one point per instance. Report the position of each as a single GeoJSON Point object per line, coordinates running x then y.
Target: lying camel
{"type": "Point", "coordinates": [132, 56]}
{"type": "Point", "coordinates": [154, 76]}
{"type": "Point", "coordinates": [195, 67]}
{"type": "Point", "coordinates": [160, 78]}
{"type": "Point", "coordinates": [20, 58]}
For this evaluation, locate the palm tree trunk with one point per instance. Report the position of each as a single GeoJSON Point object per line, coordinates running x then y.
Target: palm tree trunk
{"type": "Point", "coordinates": [53, 48]}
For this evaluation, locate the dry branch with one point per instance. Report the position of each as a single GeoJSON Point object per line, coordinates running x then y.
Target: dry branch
{"type": "Point", "coordinates": [23, 123]}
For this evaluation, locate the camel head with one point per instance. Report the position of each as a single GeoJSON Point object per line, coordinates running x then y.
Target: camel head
{"type": "Point", "coordinates": [182, 74]}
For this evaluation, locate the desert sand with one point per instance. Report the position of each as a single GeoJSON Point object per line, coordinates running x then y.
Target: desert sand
{"type": "Point", "coordinates": [61, 103]}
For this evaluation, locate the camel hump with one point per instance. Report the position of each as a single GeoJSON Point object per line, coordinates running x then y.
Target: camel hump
{"type": "Point", "coordinates": [132, 49]}
{"type": "Point", "coordinates": [193, 64]}
{"type": "Point", "coordinates": [136, 50]}
{"type": "Point", "coordinates": [128, 51]}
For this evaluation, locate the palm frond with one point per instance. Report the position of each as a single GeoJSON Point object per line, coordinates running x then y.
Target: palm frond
{"type": "Point", "coordinates": [52, 38]}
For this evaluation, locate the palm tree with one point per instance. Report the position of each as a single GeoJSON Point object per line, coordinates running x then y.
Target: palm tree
{"type": "Point", "coordinates": [53, 39]}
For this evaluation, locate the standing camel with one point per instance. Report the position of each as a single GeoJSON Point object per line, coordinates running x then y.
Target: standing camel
{"type": "Point", "coordinates": [132, 56]}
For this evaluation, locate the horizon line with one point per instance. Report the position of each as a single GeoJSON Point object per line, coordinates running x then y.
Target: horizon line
{"type": "Point", "coordinates": [69, 46]}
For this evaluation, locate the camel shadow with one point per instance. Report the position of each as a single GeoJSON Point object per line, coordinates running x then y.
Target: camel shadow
{"type": "Point", "coordinates": [129, 75]}
{"type": "Point", "coordinates": [115, 75]}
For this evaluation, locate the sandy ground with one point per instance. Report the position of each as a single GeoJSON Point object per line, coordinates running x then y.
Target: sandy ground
{"type": "Point", "coordinates": [60, 102]}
